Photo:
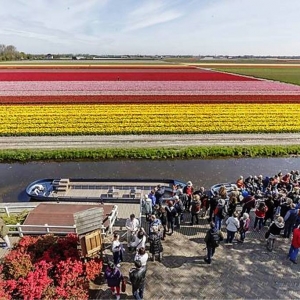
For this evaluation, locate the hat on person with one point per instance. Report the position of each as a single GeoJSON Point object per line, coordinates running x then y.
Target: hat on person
{"type": "Point", "coordinates": [175, 197]}
{"type": "Point", "coordinates": [189, 183]}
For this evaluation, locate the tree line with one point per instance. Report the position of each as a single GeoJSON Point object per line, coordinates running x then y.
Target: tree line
{"type": "Point", "coordinates": [10, 52]}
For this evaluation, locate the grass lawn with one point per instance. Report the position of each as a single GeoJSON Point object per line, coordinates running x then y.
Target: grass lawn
{"type": "Point", "coordinates": [283, 74]}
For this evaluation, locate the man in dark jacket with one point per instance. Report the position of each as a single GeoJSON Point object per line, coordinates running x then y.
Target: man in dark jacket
{"type": "Point", "coordinates": [159, 194]}
{"type": "Point", "coordinates": [137, 276]}
{"type": "Point", "coordinates": [212, 239]}
{"type": "Point", "coordinates": [179, 209]}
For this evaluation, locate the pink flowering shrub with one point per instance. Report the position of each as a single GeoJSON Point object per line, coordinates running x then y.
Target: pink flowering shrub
{"type": "Point", "coordinates": [47, 267]}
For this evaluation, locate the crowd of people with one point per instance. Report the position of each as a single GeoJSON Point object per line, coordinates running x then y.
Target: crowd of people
{"type": "Point", "coordinates": [270, 201]}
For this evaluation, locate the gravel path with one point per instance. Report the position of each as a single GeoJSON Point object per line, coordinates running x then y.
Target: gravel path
{"type": "Point", "coordinates": [147, 141]}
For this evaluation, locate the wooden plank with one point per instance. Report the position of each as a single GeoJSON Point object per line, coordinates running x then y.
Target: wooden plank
{"type": "Point", "coordinates": [88, 220]}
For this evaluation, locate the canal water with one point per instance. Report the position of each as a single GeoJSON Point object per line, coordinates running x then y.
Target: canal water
{"type": "Point", "coordinates": [16, 176]}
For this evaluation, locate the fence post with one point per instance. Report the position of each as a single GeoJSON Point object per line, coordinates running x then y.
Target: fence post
{"type": "Point", "coordinates": [47, 228]}
{"type": "Point", "coordinates": [6, 211]}
{"type": "Point", "coordinates": [20, 230]}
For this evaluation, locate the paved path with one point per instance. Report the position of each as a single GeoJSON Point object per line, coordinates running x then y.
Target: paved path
{"type": "Point", "coordinates": [238, 271]}
{"type": "Point", "coordinates": [147, 141]}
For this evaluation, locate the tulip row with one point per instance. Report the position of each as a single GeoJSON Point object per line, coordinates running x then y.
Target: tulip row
{"type": "Point", "coordinates": [150, 99]}
{"type": "Point", "coordinates": [11, 88]}
{"type": "Point", "coordinates": [163, 118]}
{"type": "Point", "coordinates": [121, 76]}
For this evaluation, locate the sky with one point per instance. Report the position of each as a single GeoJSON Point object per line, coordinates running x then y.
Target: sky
{"type": "Point", "coordinates": [152, 27]}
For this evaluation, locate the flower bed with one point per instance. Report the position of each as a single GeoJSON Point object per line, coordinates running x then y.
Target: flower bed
{"type": "Point", "coordinates": [148, 118]}
{"type": "Point", "coordinates": [142, 99]}
{"type": "Point", "coordinates": [46, 267]}
{"type": "Point", "coordinates": [149, 99]}
{"type": "Point", "coordinates": [121, 76]}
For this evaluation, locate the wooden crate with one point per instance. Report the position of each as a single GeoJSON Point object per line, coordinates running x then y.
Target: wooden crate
{"type": "Point", "coordinates": [91, 243]}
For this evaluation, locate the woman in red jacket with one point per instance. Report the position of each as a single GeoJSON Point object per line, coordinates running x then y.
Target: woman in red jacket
{"type": "Point", "coordinates": [295, 245]}
{"type": "Point", "coordinates": [260, 214]}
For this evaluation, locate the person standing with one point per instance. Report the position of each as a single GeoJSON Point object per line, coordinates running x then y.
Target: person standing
{"type": "Point", "coordinates": [142, 255]}
{"type": "Point", "coordinates": [290, 220]}
{"type": "Point", "coordinates": [212, 239]}
{"type": "Point", "coordinates": [244, 226]}
{"type": "Point", "coordinates": [139, 240]}
{"type": "Point", "coordinates": [295, 245]}
{"type": "Point", "coordinates": [248, 203]}
{"type": "Point", "coordinates": [171, 213]}
{"type": "Point", "coordinates": [113, 277]}
{"type": "Point", "coordinates": [132, 225]}
{"type": "Point", "coordinates": [274, 232]}
{"type": "Point", "coordinates": [220, 213]}
{"type": "Point", "coordinates": [163, 218]}
{"type": "Point", "coordinates": [156, 247]}
{"type": "Point", "coordinates": [137, 276]}
{"type": "Point", "coordinates": [179, 209]}
{"type": "Point", "coordinates": [195, 209]}
{"type": "Point", "coordinates": [260, 214]}
{"type": "Point", "coordinates": [4, 234]}
{"type": "Point", "coordinates": [152, 197]}
{"type": "Point", "coordinates": [188, 190]}
{"type": "Point", "coordinates": [159, 194]}
{"type": "Point", "coordinates": [233, 225]}
{"type": "Point", "coordinates": [213, 203]}
{"type": "Point", "coordinates": [117, 250]}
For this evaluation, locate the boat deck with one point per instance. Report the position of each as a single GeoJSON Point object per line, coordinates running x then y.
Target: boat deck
{"type": "Point", "coordinates": [96, 190]}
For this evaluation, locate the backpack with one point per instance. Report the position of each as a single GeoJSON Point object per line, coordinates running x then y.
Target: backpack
{"type": "Point", "coordinates": [214, 239]}
{"type": "Point", "coordinates": [221, 211]}
{"type": "Point", "coordinates": [224, 211]}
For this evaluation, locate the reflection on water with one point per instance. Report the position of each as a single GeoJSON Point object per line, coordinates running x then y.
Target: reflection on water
{"type": "Point", "coordinates": [15, 177]}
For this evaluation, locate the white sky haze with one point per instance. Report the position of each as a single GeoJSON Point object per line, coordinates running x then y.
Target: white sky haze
{"type": "Point", "coordinates": [196, 27]}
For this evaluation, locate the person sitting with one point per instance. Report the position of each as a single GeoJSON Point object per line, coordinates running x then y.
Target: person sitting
{"type": "Point", "coordinates": [37, 189]}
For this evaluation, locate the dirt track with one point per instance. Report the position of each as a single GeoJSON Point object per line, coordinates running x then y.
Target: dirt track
{"type": "Point", "coordinates": [146, 141]}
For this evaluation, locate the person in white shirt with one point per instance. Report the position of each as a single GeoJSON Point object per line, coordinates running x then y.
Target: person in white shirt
{"type": "Point", "coordinates": [233, 224]}
{"type": "Point", "coordinates": [132, 225]}
{"type": "Point", "coordinates": [140, 240]}
{"type": "Point", "coordinates": [117, 250]}
{"type": "Point", "coordinates": [142, 255]}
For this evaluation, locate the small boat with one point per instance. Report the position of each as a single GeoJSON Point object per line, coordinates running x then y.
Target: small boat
{"type": "Point", "coordinates": [97, 190]}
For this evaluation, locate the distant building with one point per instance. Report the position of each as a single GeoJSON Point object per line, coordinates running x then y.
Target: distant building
{"type": "Point", "coordinates": [49, 56]}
